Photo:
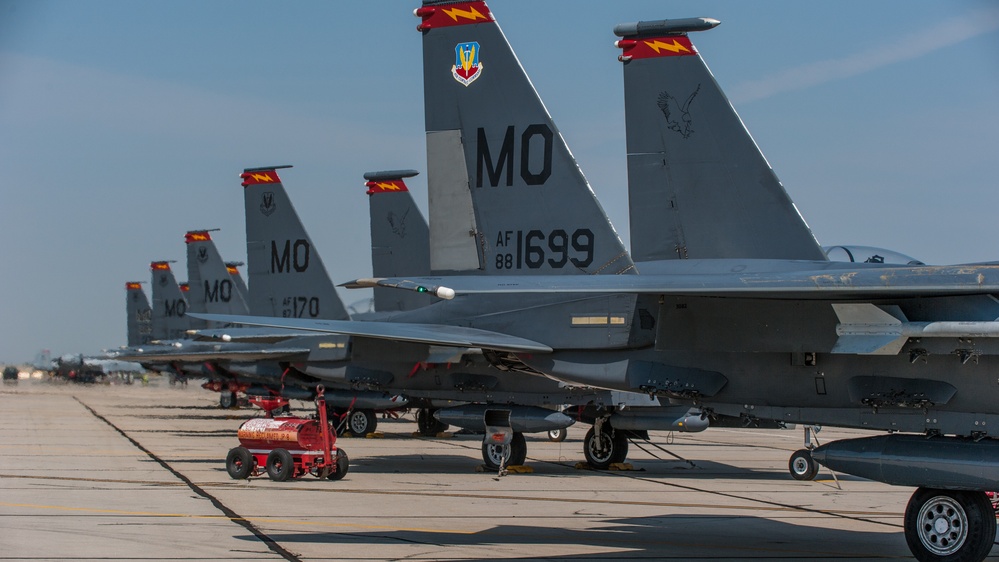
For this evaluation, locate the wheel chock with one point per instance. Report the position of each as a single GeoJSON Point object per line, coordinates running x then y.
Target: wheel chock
{"type": "Point", "coordinates": [445, 435]}
{"type": "Point", "coordinates": [375, 435]}
{"type": "Point", "coordinates": [623, 466]}
{"type": "Point", "coordinates": [583, 466]}
{"type": "Point", "coordinates": [520, 469]}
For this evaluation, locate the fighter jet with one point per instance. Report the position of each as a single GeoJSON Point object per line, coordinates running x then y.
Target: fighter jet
{"type": "Point", "coordinates": [908, 350]}
{"type": "Point", "coordinates": [139, 315]}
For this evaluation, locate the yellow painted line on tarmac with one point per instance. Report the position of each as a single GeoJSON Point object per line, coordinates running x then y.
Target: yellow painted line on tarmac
{"type": "Point", "coordinates": [224, 518]}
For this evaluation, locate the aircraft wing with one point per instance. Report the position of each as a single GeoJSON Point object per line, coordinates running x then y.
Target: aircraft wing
{"type": "Point", "coordinates": [198, 355]}
{"type": "Point", "coordinates": [830, 283]}
{"type": "Point", "coordinates": [247, 335]}
{"type": "Point", "coordinates": [433, 334]}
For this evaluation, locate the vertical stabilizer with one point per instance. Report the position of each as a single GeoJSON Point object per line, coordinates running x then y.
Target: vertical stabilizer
{"type": "Point", "coordinates": [170, 320]}
{"type": "Point", "coordinates": [699, 187]}
{"type": "Point", "coordinates": [212, 287]}
{"type": "Point", "coordinates": [286, 275]}
{"type": "Point", "coordinates": [506, 195]}
{"type": "Point", "coordinates": [139, 315]}
{"type": "Point", "coordinates": [237, 278]}
{"type": "Point", "coordinates": [400, 239]}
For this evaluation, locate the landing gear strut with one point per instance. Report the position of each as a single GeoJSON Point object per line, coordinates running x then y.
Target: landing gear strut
{"type": "Point", "coordinates": [801, 465]}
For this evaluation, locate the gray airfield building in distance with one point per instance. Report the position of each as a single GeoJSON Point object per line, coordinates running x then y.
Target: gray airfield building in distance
{"type": "Point", "coordinates": [532, 273]}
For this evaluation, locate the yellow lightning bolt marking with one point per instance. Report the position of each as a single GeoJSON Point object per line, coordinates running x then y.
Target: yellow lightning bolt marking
{"type": "Point", "coordinates": [262, 177]}
{"type": "Point", "coordinates": [388, 186]}
{"type": "Point", "coordinates": [675, 47]}
{"type": "Point", "coordinates": [471, 14]}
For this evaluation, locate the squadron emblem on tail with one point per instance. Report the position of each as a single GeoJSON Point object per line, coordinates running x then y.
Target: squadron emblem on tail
{"type": "Point", "coordinates": [668, 104]}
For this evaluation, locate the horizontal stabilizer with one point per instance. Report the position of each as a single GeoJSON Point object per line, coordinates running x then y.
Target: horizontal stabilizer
{"type": "Point", "coordinates": [433, 334]}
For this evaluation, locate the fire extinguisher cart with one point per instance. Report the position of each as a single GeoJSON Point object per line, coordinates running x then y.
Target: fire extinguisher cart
{"type": "Point", "coordinates": [287, 447]}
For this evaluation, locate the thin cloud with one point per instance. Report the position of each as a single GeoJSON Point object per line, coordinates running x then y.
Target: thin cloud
{"type": "Point", "coordinates": [911, 46]}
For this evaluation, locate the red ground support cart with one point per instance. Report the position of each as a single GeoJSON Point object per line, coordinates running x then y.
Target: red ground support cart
{"type": "Point", "coordinates": [287, 447]}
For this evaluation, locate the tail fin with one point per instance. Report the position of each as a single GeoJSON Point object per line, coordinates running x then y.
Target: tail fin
{"type": "Point", "coordinates": [699, 187]}
{"type": "Point", "coordinates": [237, 278]}
{"type": "Point", "coordinates": [288, 276]}
{"type": "Point", "coordinates": [212, 287]}
{"type": "Point", "coordinates": [139, 315]}
{"type": "Point", "coordinates": [506, 195]}
{"type": "Point", "coordinates": [170, 320]}
{"type": "Point", "coordinates": [400, 239]}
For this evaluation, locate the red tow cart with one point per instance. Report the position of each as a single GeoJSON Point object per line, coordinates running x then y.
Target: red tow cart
{"type": "Point", "coordinates": [287, 447]}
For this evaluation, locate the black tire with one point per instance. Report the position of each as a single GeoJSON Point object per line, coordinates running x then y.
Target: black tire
{"type": "Point", "coordinates": [514, 455]}
{"type": "Point", "coordinates": [239, 463]}
{"type": "Point", "coordinates": [949, 525]}
{"type": "Point", "coordinates": [558, 435]}
{"type": "Point", "coordinates": [361, 422]}
{"type": "Point", "coordinates": [606, 449]}
{"type": "Point", "coordinates": [280, 465]}
{"type": "Point", "coordinates": [342, 465]}
{"type": "Point", "coordinates": [428, 425]}
{"type": "Point", "coordinates": [802, 466]}
{"type": "Point", "coordinates": [227, 399]}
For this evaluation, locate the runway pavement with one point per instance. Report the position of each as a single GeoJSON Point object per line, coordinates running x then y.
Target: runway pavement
{"type": "Point", "coordinates": [137, 473]}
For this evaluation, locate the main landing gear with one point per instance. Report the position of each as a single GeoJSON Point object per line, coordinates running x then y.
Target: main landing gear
{"type": "Point", "coordinates": [603, 446]}
{"type": "Point", "coordinates": [950, 525]}
{"type": "Point", "coordinates": [496, 455]}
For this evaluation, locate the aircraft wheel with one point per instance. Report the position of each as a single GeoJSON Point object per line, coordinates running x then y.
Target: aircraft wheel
{"type": "Point", "coordinates": [280, 465]}
{"type": "Point", "coordinates": [949, 525]}
{"type": "Point", "coordinates": [361, 422]}
{"type": "Point", "coordinates": [516, 454]}
{"type": "Point", "coordinates": [605, 449]}
{"type": "Point", "coordinates": [558, 435]}
{"type": "Point", "coordinates": [428, 425]}
{"type": "Point", "coordinates": [227, 399]}
{"type": "Point", "coordinates": [239, 463]}
{"type": "Point", "coordinates": [802, 465]}
{"type": "Point", "coordinates": [342, 465]}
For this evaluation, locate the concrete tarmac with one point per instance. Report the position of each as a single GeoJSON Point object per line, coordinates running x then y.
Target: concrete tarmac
{"type": "Point", "coordinates": [137, 473]}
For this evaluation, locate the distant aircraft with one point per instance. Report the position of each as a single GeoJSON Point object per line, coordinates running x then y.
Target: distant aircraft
{"type": "Point", "coordinates": [910, 350]}
{"type": "Point", "coordinates": [139, 315]}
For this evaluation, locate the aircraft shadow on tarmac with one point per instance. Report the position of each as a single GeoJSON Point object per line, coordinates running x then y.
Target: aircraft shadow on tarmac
{"type": "Point", "coordinates": [669, 536]}
{"type": "Point", "coordinates": [440, 462]}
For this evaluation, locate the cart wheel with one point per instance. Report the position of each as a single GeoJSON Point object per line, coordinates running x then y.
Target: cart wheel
{"type": "Point", "coordinates": [605, 449]}
{"type": "Point", "coordinates": [239, 463]}
{"type": "Point", "coordinates": [227, 399]}
{"type": "Point", "coordinates": [342, 465]}
{"type": "Point", "coordinates": [493, 455]}
{"type": "Point", "coordinates": [361, 422]}
{"type": "Point", "coordinates": [558, 435]}
{"type": "Point", "coordinates": [280, 465]}
{"type": "Point", "coordinates": [802, 465]}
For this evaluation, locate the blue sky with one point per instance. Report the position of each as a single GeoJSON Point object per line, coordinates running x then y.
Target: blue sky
{"type": "Point", "coordinates": [124, 124]}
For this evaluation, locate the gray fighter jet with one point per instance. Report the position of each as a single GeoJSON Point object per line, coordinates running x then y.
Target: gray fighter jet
{"type": "Point", "coordinates": [789, 336]}
{"type": "Point", "coordinates": [139, 315]}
